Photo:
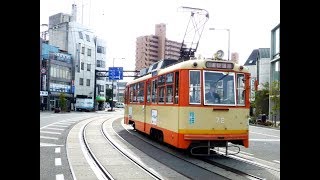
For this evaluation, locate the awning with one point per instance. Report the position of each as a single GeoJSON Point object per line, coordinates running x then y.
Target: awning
{"type": "Point", "coordinates": [100, 98]}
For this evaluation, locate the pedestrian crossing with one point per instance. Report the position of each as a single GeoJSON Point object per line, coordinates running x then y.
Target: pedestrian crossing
{"type": "Point", "coordinates": [51, 134]}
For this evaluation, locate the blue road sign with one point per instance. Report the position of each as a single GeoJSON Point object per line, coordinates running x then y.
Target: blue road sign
{"type": "Point", "coordinates": [116, 73]}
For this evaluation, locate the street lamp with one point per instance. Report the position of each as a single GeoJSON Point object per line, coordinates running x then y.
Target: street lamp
{"type": "Point", "coordinates": [228, 39]}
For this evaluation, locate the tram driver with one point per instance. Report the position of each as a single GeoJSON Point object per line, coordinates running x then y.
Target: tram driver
{"type": "Point", "coordinates": [212, 96]}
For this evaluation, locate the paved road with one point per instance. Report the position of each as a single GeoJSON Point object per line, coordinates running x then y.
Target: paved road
{"type": "Point", "coordinates": [54, 129]}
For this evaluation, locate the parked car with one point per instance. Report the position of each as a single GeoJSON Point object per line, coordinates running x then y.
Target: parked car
{"type": "Point", "coordinates": [119, 105]}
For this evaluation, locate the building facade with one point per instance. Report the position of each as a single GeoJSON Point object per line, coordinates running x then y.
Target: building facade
{"type": "Point", "coordinates": [56, 73]}
{"type": "Point", "coordinates": [152, 48]}
{"type": "Point", "coordinates": [258, 64]}
{"type": "Point", "coordinates": [87, 51]}
{"type": "Point", "coordinates": [275, 66]}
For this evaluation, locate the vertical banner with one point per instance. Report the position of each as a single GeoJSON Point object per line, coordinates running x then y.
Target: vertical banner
{"type": "Point", "coordinates": [44, 82]}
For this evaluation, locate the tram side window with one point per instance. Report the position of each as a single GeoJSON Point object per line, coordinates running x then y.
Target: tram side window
{"type": "Point", "coordinates": [135, 86]}
{"type": "Point", "coordinates": [194, 87]}
{"type": "Point", "coordinates": [169, 94]}
{"type": "Point", "coordinates": [148, 92]}
{"type": "Point", "coordinates": [131, 93]}
{"type": "Point", "coordinates": [140, 94]}
{"type": "Point", "coordinates": [240, 89]}
{"type": "Point", "coordinates": [176, 87]}
{"type": "Point", "coordinates": [154, 91]}
{"type": "Point", "coordinates": [161, 94]}
{"type": "Point", "coordinates": [161, 87]}
{"type": "Point", "coordinates": [169, 88]}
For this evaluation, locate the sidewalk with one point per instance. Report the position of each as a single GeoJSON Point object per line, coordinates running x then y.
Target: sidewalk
{"type": "Point", "coordinates": [271, 127]}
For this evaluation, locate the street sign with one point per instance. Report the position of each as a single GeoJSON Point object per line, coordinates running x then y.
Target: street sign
{"type": "Point", "coordinates": [116, 73]}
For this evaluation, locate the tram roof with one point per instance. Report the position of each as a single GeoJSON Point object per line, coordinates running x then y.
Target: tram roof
{"type": "Point", "coordinates": [201, 64]}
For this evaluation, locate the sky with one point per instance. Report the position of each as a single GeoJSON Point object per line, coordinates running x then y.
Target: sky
{"type": "Point", "coordinates": [121, 22]}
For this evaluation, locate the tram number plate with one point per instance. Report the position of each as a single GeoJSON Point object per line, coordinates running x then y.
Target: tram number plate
{"type": "Point", "coordinates": [220, 120]}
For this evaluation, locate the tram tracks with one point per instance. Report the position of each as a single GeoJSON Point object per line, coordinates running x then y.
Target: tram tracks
{"type": "Point", "coordinates": [101, 165]}
{"type": "Point", "coordinates": [181, 155]}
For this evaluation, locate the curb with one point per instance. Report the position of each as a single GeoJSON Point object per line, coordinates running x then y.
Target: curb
{"type": "Point", "coordinates": [270, 127]}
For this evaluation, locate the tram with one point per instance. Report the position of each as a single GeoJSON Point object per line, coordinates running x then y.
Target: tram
{"type": "Point", "coordinates": [195, 105]}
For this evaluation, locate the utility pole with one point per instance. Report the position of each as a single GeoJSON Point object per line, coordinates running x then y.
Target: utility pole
{"type": "Point", "coordinates": [95, 75]}
{"type": "Point", "coordinates": [112, 87]}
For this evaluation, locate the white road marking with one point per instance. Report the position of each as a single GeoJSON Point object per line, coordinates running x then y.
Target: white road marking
{"type": "Point", "coordinates": [57, 150]}
{"type": "Point", "coordinates": [270, 140]}
{"type": "Point", "coordinates": [64, 123]}
{"type": "Point", "coordinates": [59, 177]}
{"type": "Point", "coordinates": [65, 120]}
{"type": "Point", "coordinates": [57, 125]}
{"type": "Point", "coordinates": [276, 161]}
{"type": "Point", "coordinates": [246, 153]}
{"type": "Point", "coordinates": [46, 137]}
{"type": "Point", "coordinates": [57, 161]}
{"type": "Point", "coordinates": [249, 159]}
{"type": "Point", "coordinates": [269, 129]}
{"type": "Point", "coordinates": [48, 145]}
{"type": "Point", "coordinates": [265, 134]}
{"type": "Point", "coordinates": [56, 129]}
{"type": "Point", "coordinates": [49, 132]}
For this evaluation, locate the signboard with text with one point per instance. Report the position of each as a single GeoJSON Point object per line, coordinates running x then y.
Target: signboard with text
{"type": "Point", "coordinates": [116, 73]}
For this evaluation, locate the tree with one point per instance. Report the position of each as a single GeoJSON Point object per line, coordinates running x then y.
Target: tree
{"type": "Point", "coordinates": [261, 102]}
{"type": "Point", "coordinates": [63, 102]}
{"type": "Point", "coordinates": [275, 98]}
{"type": "Point", "coordinates": [108, 95]}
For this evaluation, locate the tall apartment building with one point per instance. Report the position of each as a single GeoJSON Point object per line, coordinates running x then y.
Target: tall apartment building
{"type": "Point", "coordinates": [87, 51]}
{"type": "Point", "coordinates": [152, 48]}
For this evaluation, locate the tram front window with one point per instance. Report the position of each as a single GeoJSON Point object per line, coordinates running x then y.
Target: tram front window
{"type": "Point", "coordinates": [219, 88]}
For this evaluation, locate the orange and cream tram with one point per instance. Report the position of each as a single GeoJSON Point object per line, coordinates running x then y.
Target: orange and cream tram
{"type": "Point", "coordinates": [197, 104]}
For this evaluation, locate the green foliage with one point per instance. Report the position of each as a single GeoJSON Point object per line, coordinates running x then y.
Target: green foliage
{"type": "Point", "coordinates": [63, 102]}
{"type": "Point", "coordinates": [108, 95]}
{"type": "Point", "coordinates": [252, 120]}
{"type": "Point", "coordinates": [261, 102]}
{"type": "Point", "coordinates": [275, 97]}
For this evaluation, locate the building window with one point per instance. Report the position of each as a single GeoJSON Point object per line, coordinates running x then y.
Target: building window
{"type": "Point", "coordinates": [100, 49]}
{"type": "Point", "coordinates": [80, 35]}
{"type": "Point", "coordinates": [82, 50]}
{"type": "Point", "coordinates": [87, 37]}
{"type": "Point", "coordinates": [88, 82]}
{"type": "Point", "coordinates": [101, 64]}
{"type": "Point", "coordinates": [88, 67]}
{"type": "Point", "coordinates": [81, 81]}
{"type": "Point", "coordinates": [89, 52]}
{"type": "Point", "coordinates": [82, 65]}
